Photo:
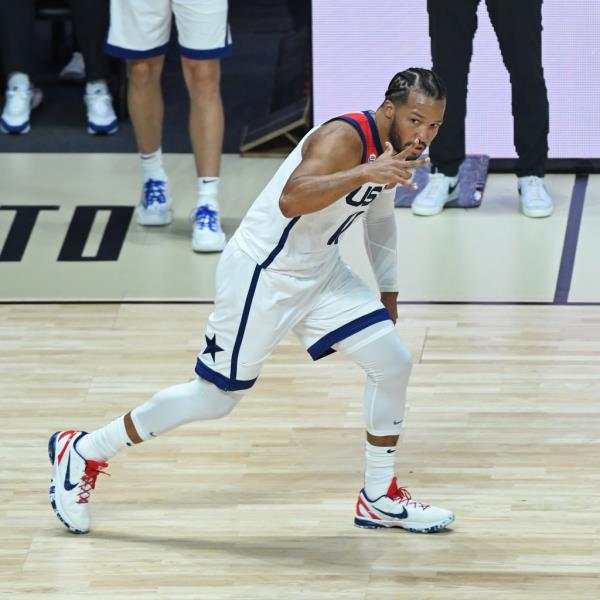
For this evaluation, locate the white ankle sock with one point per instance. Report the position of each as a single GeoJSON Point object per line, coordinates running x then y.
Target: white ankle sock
{"type": "Point", "coordinates": [380, 469]}
{"type": "Point", "coordinates": [105, 442]}
{"type": "Point", "coordinates": [152, 166]}
{"type": "Point", "coordinates": [208, 191]}
{"type": "Point", "coordinates": [19, 80]}
{"type": "Point", "coordinates": [96, 87]}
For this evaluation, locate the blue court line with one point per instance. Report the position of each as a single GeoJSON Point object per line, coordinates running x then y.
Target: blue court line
{"type": "Point", "coordinates": [567, 259]}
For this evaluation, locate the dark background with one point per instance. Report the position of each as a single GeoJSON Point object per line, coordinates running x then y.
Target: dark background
{"type": "Point", "coordinates": [269, 68]}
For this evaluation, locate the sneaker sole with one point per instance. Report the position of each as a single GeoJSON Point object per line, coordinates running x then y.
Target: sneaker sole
{"type": "Point", "coordinates": [536, 214]}
{"type": "Point", "coordinates": [54, 502]}
{"type": "Point", "coordinates": [93, 131]}
{"type": "Point", "coordinates": [429, 212]}
{"type": "Point", "coordinates": [15, 130]}
{"type": "Point", "coordinates": [208, 248]}
{"type": "Point", "coordinates": [414, 528]}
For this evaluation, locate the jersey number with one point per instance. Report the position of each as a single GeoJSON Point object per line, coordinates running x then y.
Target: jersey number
{"type": "Point", "coordinates": [335, 238]}
{"type": "Point", "coordinates": [370, 194]}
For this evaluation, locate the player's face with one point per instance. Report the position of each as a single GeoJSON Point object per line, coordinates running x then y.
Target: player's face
{"type": "Point", "coordinates": [420, 118]}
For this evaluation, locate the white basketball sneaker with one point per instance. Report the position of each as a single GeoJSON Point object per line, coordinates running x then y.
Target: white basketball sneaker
{"type": "Point", "coordinates": [19, 100]}
{"type": "Point", "coordinates": [432, 199]}
{"type": "Point", "coordinates": [73, 479]}
{"type": "Point", "coordinates": [535, 200]}
{"type": "Point", "coordinates": [74, 70]}
{"type": "Point", "coordinates": [207, 235]}
{"type": "Point", "coordinates": [100, 112]}
{"type": "Point", "coordinates": [396, 508]}
{"type": "Point", "coordinates": [155, 206]}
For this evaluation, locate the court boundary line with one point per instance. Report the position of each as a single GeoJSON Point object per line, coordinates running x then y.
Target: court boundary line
{"type": "Point", "coordinates": [569, 251]}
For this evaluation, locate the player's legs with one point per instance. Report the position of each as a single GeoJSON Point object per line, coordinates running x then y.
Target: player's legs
{"type": "Point", "coordinates": [451, 29]}
{"type": "Point", "coordinates": [139, 32]}
{"type": "Point", "coordinates": [382, 502]}
{"type": "Point", "coordinates": [204, 38]}
{"type": "Point", "coordinates": [78, 458]}
{"type": "Point", "coordinates": [518, 27]}
{"type": "Point", "coordinates": [452, 26]}
{"type": "Point", "coordinates": [251, 315]}
{"type": "Point", "coordinates": [145, 102]}
{"type": "Point", "coordinates": [202, 78]}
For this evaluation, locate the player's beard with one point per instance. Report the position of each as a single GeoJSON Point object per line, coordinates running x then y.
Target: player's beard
{"type": "Point", "coordinates": [397, 143]}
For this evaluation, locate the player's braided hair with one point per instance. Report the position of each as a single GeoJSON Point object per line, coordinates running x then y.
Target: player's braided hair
{"type": "Point", "coordinates": [415, 78]}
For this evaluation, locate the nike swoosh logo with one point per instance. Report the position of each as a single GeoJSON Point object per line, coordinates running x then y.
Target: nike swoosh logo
{"type": "Point", "coordinates": [452, 188]}
{"type": "Point", "coordinates": [390, 451]}
{"type": "Point", "coordinates": [67, 483]}
{"type": "Point", "coordinates": [397, 422]}
{"type": "Point", "coordinates": [209, 180]}
{"type": "Point", "coordinates": [401, 515]}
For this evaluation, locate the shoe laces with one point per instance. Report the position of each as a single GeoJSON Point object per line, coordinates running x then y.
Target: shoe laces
{"type": "Point", "coordinates": [88, 480]}
{"type": "Point", "coordinates": [154, 192]}
{"type": "Point", "coordinates": [402, 495]}
{"type": "Point", "coordinates": [204, 216]}
{"type": "Point", "coordinates": [435, 183]}
{"type": "Point", "coordinates": [534, 188]}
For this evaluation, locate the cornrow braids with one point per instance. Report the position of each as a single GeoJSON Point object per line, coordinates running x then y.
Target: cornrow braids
{"type": "Point", "coordinates": [415, 78]}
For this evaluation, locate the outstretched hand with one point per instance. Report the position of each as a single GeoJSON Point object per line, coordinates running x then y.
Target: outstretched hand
{"type": "Point", "coordinates": [396, 169]}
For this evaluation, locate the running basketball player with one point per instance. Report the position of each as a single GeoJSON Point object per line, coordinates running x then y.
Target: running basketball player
{"type": "Point", "coordinates": [282, 271]}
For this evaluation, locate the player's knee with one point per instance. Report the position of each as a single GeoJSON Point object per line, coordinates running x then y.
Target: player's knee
{"type": "Point", "coordinates": [144, 73]}
{"type": "Point", "coordinates": [394, 365]}
{"type": "Point", "coordinates": [210, 402]}
{"type": "Point", "coordinates": [202, 78]}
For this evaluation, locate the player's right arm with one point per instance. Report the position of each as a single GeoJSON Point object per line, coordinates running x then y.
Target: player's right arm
{"type": "Point", "coordinates": [331, 168]}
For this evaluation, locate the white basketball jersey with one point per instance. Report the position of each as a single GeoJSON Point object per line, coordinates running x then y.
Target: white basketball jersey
{"type": "Point", "coordinates": [309, 243]}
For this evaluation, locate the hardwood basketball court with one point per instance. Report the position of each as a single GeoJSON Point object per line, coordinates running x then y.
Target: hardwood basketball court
{"type": "Point", "coordinates": [502, 425]}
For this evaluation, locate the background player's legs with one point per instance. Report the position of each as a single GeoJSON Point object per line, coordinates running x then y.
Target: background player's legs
{"type": "Point", "coordinates": [90, 21]}
{"type": "Point", "coordinates": [202, 78]}
{"type": "Point", "coordinates": [16, 27]}
{"type": "Point", "coordinates": [166, 410]}
{"type": "Point", "coordinates": [145, 102]}
{"type": "Point", "coordinates": [518, 26]}
{"type": "Point", "coordinates": [452, 26]}
{"type": "Point", "coordinates": [387, 364]}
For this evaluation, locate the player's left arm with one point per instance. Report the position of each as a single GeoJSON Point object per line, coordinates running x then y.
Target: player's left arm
{"type": "Point", "coordinates": [381, 246]}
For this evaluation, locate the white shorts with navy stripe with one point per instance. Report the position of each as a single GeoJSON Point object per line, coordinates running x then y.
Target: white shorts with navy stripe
{"type": "Point", "coordinates": [141, 28]}
{"type": "Point", "coordinates": [255, 307]}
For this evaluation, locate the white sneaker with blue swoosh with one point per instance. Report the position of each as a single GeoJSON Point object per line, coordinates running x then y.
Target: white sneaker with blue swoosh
{"type": "Point", "coordinates": [73, 479]}
{"type": "Point", "coordinates": [396, 508]}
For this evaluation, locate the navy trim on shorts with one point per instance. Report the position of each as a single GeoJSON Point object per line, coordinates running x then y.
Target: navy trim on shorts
{"type": "Point", "coordinates": [356, 126]}
{"type": "Point", "coordinates": [243, 322]}
{"type": "Point", "coordinates": [206, 54]}
{"type": "Point", "coordinates": [374, 131]}
{"type": "Point", "coordinates": [222, 382]}
{"type": "Point", "coordinates": [323, 347]}
{"type": "Point", "coordinates": [120, 52]}
{"type": "Point", "coordinates": [231, 383]}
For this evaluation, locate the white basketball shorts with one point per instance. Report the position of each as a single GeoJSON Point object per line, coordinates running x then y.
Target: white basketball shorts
{"type": "Point", "coordinates": [255, 307]}
{"type": "Point", "coordinates": [141, 28]}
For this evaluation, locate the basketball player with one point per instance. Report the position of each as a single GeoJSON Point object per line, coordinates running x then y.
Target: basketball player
{"type": "Point", "coordinates": [139, 32]}
{"type": "Point", "coordinates": [282, 271]}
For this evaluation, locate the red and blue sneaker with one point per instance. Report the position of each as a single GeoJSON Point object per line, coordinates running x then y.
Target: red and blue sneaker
{"type": "Point", "coordinates": [73, 479]}
{"type": "Point", "coordinates": [396, 508]}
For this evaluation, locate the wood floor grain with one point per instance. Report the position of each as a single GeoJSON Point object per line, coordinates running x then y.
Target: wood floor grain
{"type": "Point", "coordinates": [503, 427]}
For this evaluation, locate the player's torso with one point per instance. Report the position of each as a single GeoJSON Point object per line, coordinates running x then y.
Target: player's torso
{"type": "Point", "coordinates": [309, 242]}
